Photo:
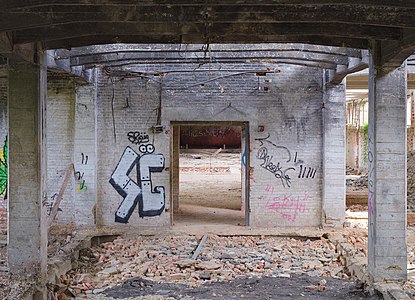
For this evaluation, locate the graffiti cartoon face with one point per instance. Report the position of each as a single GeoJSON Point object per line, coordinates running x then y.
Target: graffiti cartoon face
{"type": "Point", "coordinates": [146, 149]}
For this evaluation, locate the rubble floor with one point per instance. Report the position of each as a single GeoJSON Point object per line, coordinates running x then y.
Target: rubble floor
{"type": "Point", "coordinates": [236, 261]}
{"type": "Point", "coordinates": [296, 287]}
{"type": "Point", "coordinates": [228, 267]}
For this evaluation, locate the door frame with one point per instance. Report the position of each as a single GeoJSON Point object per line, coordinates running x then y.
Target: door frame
{"type": "Point", "coordinates": [175, 169]}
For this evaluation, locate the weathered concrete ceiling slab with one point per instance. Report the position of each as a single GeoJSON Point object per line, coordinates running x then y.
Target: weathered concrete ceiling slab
{"type": "Point", "coordinates": [384, 26]}
{"type": "Point", "coordinates": [338, 61]}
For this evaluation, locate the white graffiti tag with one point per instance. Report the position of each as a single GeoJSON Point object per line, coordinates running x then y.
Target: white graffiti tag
{"type": "Point", "coordinates": [150, 202]}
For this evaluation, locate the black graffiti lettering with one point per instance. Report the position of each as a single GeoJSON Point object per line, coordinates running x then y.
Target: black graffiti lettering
{"type": "Point", "coordinates": [275, 169]}
{"type": "Point", "coordinates": [84, 159]}
{"type": "Point", "coordinates": [262, 140]}
{"type": "Point", "coordinates": [78, 175]}
{"type": "Point", "coordinates": [307, 172]}
{"type": "Point", "coordinates": [137, 137]}
{"type": "Point", "coordinates": [280, 171]}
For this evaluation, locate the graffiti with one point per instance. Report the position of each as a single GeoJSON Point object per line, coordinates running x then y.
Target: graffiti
{"type": "Point", "coordinates": [371, 195]}
{"type": "Point", "coordinates": [137, 137]}
{"type": "Point", "coordinates": [138, 191]}
{"type": "Point", "coordinates": [289, 206]}
{"type": "Point", "coordinates": [49, 204]}
{"type": "Point", "coordinates": [277, 170]}
{"type": "Point", "coordinates": [265, 140]}
{"type": "Point", "coordinates": [287, 165]}
{"type": "Point", "coordinates": [4, 154]}
{"type": "Point", "coordinates": [203, 132]}
{"type": "Point", "coordinates": [80, 107]}
{"type": "Point", "coordinates": [146, 149]}
{"type": "Point", "coordinates": [84, 159]}
{"type": "Point", "coordinates": [311, 173]}
{"type": "Point", "coordinates": [297, 127]}
{"type": "Point", "coordinates": [244, 159]}
{"type": "Point", "coordinates": [81, 181]}
{"type": "Point", "coordinates": [79, 177]}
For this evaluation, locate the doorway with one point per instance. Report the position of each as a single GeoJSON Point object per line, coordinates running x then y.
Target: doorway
{"type": "Point", "coordinates": [209, 185]}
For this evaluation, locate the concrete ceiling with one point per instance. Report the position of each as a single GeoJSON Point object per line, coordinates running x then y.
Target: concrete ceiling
{"type": "Point", "coordinates": [386, 27]}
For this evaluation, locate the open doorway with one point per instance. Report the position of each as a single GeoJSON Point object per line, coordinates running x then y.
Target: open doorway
{"type": "Point", "coordinates": [209, 173]}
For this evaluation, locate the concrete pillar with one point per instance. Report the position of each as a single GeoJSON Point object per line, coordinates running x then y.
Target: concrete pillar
{"type": "Point", "coordinates": [411, 130]}
{"type": "Point", "coordinates": [175, 168]}
{"type": "Point", "coordinates": [387, 174]}
{"type": "Point", "coordinates": [27, 238]}
{"type": "Point", "coordinates": [85, 157]}
{"type": "Point", "coordinates": [334, 148]}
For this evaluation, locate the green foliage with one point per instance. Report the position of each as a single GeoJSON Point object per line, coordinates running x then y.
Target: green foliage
{"type": "Point", "coordinates": [3, 169]}
{"type": "Point", "coordinates": [365, 129]}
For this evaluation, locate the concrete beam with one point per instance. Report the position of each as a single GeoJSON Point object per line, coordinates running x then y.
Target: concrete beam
{"type": "Point", "coordinates": [208, 56]}
{"type": "Point", "coordinates": [222, 30]}
{"type": "Point", "coordinates": [6, 44]}
{"type": "Point", "coordinates": [387, 257]}
{"type": "Point", "coordinates": [354, 65]}
{"type": "Point", "coordinates": [63, 66]}
{"type": "Point", "coordinates": [144, 38]}
{"type": "Point", "coordinates": [38, 15]}
{"type": "Point", "coordinates": [200, 48]}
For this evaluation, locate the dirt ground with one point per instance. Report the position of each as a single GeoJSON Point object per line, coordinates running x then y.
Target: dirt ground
{"type": "Point", "coordinates": [211, 181]}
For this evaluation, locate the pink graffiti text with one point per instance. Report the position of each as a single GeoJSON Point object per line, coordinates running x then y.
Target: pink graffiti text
{"type": "Point", "coordinates": [289, 206]}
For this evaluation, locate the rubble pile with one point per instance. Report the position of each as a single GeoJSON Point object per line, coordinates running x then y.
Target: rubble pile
{"type": "Point", "coordinates": [410, 284]}
{"type": "Point", "coordinates": [358, 183]}
{"type": "Point", "coordinates": [411, 181]}
{"type": "Point", "coordinates": [169, 259]}
{"type": "Point", "coordinates": [351, 171]}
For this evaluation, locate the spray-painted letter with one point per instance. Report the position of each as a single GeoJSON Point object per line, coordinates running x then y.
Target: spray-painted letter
{"type": "Point", "coordinates": [151, 203]}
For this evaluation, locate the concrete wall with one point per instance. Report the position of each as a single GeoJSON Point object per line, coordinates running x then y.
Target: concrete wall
{"type": "Point", "coordinates": [60, 143]}
{"type": "Point", "coordinates": [71, 140]}
{"type": "Point", "coordinates": [111, 125]}
{"type": "Point", "coordinates": [356, 149]}
{"type": "Point", "coordinates": [286, 157]}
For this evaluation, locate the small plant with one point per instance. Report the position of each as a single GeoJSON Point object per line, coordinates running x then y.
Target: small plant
{"type": "Point", "coordinates": [3, 169]}
{"type": "Point", "coordinates": [365, 129]}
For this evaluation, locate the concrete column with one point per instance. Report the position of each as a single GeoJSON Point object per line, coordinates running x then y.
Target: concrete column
{"type": "Point", "coordinates": [175, 168]}
{"type": "Point", "coordinates": [387, 174]}
{"type": "Point", "coordinates": [85, 157]}
{"type": "Point", "coordinates": [411, 129]}
{"type": "Point", "coordinates": [27, 238]}
{"type": "Point", "coordinates": [334, 148]}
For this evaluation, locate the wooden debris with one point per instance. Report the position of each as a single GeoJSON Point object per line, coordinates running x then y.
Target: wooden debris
{"type": "Point", "coordinates": [55, 207]}
{"type": "Point", "coordinates": [199, 247]}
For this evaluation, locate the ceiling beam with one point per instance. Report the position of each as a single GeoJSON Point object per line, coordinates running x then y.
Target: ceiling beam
{"type": "Point", "coordinates": [208, 56]}
{"type": "Point", "coordinates": [222, 31]}
{"type": "Point", "coordinates": [6, 44]}
{"type": "Point", "coordinates": [354, 65]}
{"type": "Point", "coordinates": [340, 14]}
{"type": "Point", "coordinates": [391, 54]}
{"type": "Point", "coordinates": [162, 63]}
{"type": "Point", "coordinates": [68, 43]}
{"type": "Point", "coordinates": [200, 48]}
{"type": "Point", "coordinates": [30, 4]}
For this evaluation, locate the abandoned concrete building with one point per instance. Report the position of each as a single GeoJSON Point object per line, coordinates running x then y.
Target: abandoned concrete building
{"type": "Point", "coordinates": [106, 107]}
